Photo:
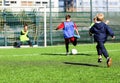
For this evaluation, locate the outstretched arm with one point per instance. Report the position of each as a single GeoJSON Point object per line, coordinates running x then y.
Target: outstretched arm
{"type": "Point", "coordinates": [60, 26]}
{"type": "Point", "coordinates": [77, 32]}
{"type": "Point", "coordinates": [110, 32]}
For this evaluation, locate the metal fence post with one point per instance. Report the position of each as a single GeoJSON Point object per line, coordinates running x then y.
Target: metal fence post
{"type": "Point", "coordinates": [51, 40]}
{"type": "Point", "coordinates": [91, 12]}
{"type": "Point", "coordinates": [91, 17]}
{"type": "Point", "coordinates": [5, 31]}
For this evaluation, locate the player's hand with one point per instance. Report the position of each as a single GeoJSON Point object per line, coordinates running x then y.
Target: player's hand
{"type": "Point", "coordinates": [107, 21]}
{"type": "Point", "coordinates": [90, 33]}
{"type": "Point", "coordinates": [113, 37]}
{"type": "Point", "coordinates": [55, 29]}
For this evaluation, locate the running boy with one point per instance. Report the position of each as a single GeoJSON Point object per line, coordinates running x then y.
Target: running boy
{"type": "Point", "coordinates": [68, 31]}
{"type": "Point", "coordinates": [101, 31]}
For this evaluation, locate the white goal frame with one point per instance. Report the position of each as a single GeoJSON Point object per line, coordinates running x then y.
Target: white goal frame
{"type": "Point", "coordinates": [38, 9]}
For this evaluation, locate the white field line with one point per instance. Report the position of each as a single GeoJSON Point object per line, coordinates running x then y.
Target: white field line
{"type": "Point", "coordinates": [96, 51]}
{"type": "Point", "coordinates": [36, 54]}
{"type": "Point", "coordinates": [23, 46]}
{"type": "Point", "coordinates": [26, 46]}
{"type": "Point", "coordinates": [93, 51]}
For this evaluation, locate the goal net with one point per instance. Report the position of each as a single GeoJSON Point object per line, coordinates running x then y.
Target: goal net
{"type": "Point", "coordinates": [12, 20]}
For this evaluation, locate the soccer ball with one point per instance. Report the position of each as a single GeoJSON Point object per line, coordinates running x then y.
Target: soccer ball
{"type": "Point", "coordinates": [74, 51]}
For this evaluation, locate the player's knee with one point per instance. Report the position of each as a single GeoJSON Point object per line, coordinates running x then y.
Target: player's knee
{"type": "Point", "coordinates": [75, 43]}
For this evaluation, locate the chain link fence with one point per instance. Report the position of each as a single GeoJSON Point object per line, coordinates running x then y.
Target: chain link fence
{"type": "Point", "coordinates": [11, 24]}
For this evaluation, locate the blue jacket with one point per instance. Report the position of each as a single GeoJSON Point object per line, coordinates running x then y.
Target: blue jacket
{"type": "Point", "coordinates": [68, 29]}
{"type": "Point", "coordinates": [101, 31]}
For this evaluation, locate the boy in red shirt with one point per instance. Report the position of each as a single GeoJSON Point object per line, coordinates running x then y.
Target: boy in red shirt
{"type": "Point", "coordinates": [69, 28]}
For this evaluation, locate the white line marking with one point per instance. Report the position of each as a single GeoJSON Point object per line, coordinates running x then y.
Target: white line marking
{"type": "Point", "coordinates": [96, 51]}
{"type": "Point", "coordinates": [23, 46]}
{"type": "Point", "coordinates": [36, 54]}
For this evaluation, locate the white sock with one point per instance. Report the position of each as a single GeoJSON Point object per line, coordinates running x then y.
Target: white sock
{"type": "Point", "coordinates": [107, 58]}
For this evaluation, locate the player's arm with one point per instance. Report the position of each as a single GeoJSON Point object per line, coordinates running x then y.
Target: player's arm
{"type": "Point", "coordinates": [60, 26]}
{"type": "Point", "coordinates": [76, 29]}
{"type": "Point", "coordinates": [28, 36]}
{"type": "Point", "coordinates": [22, 33]}
{"type": "Point", "coordinates": [110, 32]}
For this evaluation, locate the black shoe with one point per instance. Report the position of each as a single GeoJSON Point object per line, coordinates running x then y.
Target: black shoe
{"type": "Point", "coordinates": [99, 60]}
{"type": "Point", "coordinates": [109, 62]}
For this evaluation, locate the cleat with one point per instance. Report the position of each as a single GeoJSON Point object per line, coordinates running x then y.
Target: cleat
{"type": "Point", "coordinates": [109, 62]}
{"type": "Point", "coordinates": [99, 60]}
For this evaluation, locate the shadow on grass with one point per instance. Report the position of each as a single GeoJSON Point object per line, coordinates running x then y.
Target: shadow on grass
{"type": "Point", "coordinates": [83, 64]}
{"type": "Point", "coordinates": [84, 54]}
{"type": "Point", "coordinates": [63, 54]}
{"type": "Point", "coordinates": [53, 54]}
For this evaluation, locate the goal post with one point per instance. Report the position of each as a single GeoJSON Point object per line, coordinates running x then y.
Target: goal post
{"type": "Point", "coordinates": [34, 21]}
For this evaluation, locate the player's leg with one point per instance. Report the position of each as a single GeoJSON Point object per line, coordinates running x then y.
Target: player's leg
{"type": "Point", "coordinates": [19, 44]}
{"type": "Point", "coordinates": [30, 43]}
{"type": "Point", "coordinates": [67, 45]}
{"type": "Point", "coordinates": [103, 49]}
{"type": "Point", "coordinates": [105, 53]}
{"type": "Point", "coordinates": [15, 44]}
{"type": "Point", "coordinates": [99, 53]}
{"type": "Point", "coordinates": [73, 40]}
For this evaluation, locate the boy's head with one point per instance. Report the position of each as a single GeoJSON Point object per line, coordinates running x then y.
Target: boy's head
{"type": "Point", "coordinates": [25, 27]}
{"type": "Point", "coordinates": [100, 17]}
{"type": "Point", "coordinates": [67, 17]}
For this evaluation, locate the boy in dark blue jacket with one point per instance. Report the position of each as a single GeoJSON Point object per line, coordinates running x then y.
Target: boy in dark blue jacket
{"type": "Point", "coordinates": [101, 31]}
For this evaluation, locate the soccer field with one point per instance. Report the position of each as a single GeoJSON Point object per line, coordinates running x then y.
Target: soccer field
{"type": "Point", "coordinates": [51, 65]}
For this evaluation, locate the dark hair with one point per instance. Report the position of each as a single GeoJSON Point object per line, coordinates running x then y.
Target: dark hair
{"type": "Point", "coordinates": [67, 17]}
{"type": "Point", "coordinates": [25, 25]}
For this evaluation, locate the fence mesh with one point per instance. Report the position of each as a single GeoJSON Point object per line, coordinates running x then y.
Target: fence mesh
{"type": "Point", "coordinates": [11, 23]}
